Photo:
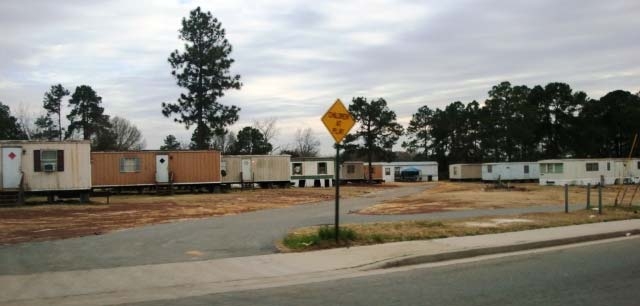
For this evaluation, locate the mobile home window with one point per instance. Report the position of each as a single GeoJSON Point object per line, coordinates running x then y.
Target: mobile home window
{"type": "Point", "coordinates": [592, 167]}
{"type": "Point", "coordinates": [396, 171]}
{"type": "Point", "coordinates": [608, 166]}
{"type": "Point", "coordinates": [455, 170]}
{"type": "Point", "coordinates": [639, 165]}
{"type": "Point", "coordinates": [489, 168]}
{"type": "Point", "coordinates": [558, 168]}
{"type": "Point", "coordinates": [351, 169]}
{"type": "Point", "coordinates": [297, 169]}
{"type": "Point", "coordinates": [322, 168]}
{"type": "Point", "coordinates": [48, 160]}
{"type": "Point", "coordinates": [129, 164]}
{"type": "Point", "coordinates": [387, 171]}
{"type": "Point", "coordinates": [551, 168]}
{"type": "Point", "coordinates": [526, 168]}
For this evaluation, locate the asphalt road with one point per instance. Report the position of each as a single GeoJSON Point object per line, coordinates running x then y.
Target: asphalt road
{"type": "Point", "coordinates": [217, 237]}
{"type": "Point", "coordinates": [601, 274]}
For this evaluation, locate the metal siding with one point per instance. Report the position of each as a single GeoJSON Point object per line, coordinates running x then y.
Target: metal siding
{"type": "Point", "coordinates": [376, 173]}
{"type": "Point", "coordinates": [358, 174]}
{"type": "Point", "coordinates": [575, 173]}
{"type": "Point", "coordinates": [106, 169]}
{"type": "Point", "coordinates": [186, 166]}
{"type": "Point", "coordinates": [271, 168]}
{"type": "Point", "coordinates": [310, 168]}
{"type": "Point", "coordinates": [510, 171]}
{"type": "Point", "coordinates": [234, 167]}
{"type": "Point", "coordinates": [76, 174]}
{"type": "Point", "coordinates": [195, 166]}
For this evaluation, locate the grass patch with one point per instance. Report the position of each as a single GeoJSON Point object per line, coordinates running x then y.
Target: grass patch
{"type": "Point", "coordinates": [314, 238]}
{"type": "Point", "coordinates": [319, 237]}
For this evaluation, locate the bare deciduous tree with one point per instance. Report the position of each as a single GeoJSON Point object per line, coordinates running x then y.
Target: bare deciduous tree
{"type": "Point", "coordinates": [25, 116]}
{"type": "Point", "coordinates": [269, 129]}
{"type": "Point", "coordinates": [224, 143]}
{"type": "Point", "coordinates": [127, 135]}
{"type": "Point", "coordinates": [306, 144]}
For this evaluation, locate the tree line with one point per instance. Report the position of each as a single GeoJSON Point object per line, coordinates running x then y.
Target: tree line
{"type": "Point", "coordinates": [518, 123]}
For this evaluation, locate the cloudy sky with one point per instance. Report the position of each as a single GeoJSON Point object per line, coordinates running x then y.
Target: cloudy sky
{"type": "Point", "coordinates": [297, 57]}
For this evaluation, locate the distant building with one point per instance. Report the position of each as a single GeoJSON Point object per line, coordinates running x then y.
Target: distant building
{"type": "Point", "coordinates": [465, 172]}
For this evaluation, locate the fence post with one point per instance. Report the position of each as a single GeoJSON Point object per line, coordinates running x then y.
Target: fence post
{"type": "Point", "coordinates": [588, 196]}
{"type": "Point", "coordinates": [600, 199]}
{"type": "Point", "coordinates": [566, 198]}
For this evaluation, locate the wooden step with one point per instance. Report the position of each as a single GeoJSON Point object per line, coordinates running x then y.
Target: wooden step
{"type": "Point", "coordinates": [9, 198]}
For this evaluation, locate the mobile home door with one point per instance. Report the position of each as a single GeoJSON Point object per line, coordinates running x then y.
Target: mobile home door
{"type": "Point", "coordinates": [11, 159]}
{"type": "Point", "coordinates": [162, 168]}
{"type": "Point", "coordinates": [246, 170]}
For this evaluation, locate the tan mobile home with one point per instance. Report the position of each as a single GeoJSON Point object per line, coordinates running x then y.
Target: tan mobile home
{"type": "Point", "coordinates": [352, 171]}
{"type": "Point", "coordinates": [312, 171]}
{"type": "Point", "coordinates": [265, 170]}
{"type": "Point", "coordinates": [45, 167]}
{"type": "Point", "coordinates": [464, 172]}
{"type": "Point", "coordinates": [148, 168]}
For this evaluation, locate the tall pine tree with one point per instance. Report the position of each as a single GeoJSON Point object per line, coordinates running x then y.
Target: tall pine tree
{"type": "Point", "coordinates": [203, 70]}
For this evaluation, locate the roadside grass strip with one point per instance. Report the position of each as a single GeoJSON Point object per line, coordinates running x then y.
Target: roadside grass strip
{"type": "Point", "coordinates": [322, 237]}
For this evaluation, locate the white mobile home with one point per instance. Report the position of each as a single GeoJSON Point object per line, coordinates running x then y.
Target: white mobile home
{"type": "Point", "coordinates": [46, 167]}
{"type": "Point", "coordinates": [425, 171]}
{"type": "Point", "coordinates": [465, 172]}
{"type": "Point", "coordinates": [606, 171]}
{"type": "Point", "coordinates": [510, 171]}
{"type": "Point", "coordinates": [312, 171]}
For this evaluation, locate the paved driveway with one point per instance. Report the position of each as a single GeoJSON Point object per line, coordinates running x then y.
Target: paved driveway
{"type": "Point", "coordinates": [217, 237]}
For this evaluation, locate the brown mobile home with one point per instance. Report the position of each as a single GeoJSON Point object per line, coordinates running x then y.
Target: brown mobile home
{"type": "Point", "coordinates": [150, 168]}
{"type": "Point", "coordinates": [376, 173]}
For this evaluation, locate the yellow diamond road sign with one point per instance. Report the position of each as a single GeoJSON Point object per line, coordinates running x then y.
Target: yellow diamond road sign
{"type": "Point", "coordinates": [338, 121]}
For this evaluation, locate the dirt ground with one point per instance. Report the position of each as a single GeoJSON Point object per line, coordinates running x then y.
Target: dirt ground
{"type": "Point", "coordinates": [447, 196]}
{"type": "Point", "coordinates": [37, 221]}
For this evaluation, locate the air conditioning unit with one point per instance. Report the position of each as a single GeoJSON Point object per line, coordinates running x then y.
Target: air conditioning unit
{"type": "Point", "coordinates": [49, 167]}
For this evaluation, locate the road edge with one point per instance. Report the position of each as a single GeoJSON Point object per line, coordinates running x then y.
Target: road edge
{"type": "Point", "coordinates": [475, 252]}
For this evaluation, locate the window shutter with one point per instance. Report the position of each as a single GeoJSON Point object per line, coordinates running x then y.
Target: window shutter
{"type": "Point", "coordinates": [36, 161]}
{"type": "Point", "coordinates": [60, 160]}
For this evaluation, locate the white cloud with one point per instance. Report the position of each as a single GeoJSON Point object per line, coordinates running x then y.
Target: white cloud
{"type": "Point", "coordinates": [295, 57]}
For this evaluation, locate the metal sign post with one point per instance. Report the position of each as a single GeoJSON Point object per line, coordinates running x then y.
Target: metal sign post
{"type": "Point", "coordinates": [337, 219]}
{"type": "Point", "coordinates": [338, 121]}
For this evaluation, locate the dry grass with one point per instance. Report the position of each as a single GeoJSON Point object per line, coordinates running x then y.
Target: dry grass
{"type": "Point", "coordinates": [447, 196]}
{"type": "Point", "coordinates": [381, 232]}
{"type": "Point", "coordinates": [36, 222]}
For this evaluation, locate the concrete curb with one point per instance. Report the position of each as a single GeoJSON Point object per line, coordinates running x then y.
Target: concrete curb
{"type": "Point", "coordinates": [431, 258]}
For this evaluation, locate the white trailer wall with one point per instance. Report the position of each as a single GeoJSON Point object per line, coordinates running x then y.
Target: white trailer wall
{"type": "Point", "coordinates": [312, 172]}
{"type": "Point", "coordinates": [510, 171]}
{"type": "Point", "coordinates": [578, 171]}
